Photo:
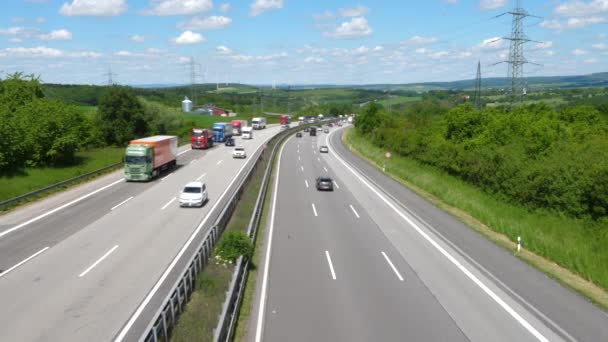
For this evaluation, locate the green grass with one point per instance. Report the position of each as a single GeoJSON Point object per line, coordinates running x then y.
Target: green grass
{"type": "Point", "coordinates": [577, 246]}
{"type": "Point", "coordinates": [399, 100]}
{"type": "Point", "coordinates": [88, 111]}
{"type": "Point", "coordinates": [36, 178]}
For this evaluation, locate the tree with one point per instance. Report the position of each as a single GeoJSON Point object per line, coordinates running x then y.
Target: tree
{"type": "Point", "coordinates": [120, 116]}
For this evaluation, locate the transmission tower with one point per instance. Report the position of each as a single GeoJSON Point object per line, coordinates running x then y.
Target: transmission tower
{"type": "Point", "coordinates": [109, 75]}
{"type": "Point", "coordinates": [193, 74]}
{"type": "Point", "coordinates": [478, 86]}
{"type": "Point", "coordinates": [516, 59]}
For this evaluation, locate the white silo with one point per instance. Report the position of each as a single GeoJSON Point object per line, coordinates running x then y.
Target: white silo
{"type": "Point", "coordinates": [187, 105]}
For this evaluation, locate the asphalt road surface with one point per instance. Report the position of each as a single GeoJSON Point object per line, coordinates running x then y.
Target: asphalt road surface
{"type": "Point", "coordinates": [372, 261]}
{"type": "Point", "coordinates": [77, 266]}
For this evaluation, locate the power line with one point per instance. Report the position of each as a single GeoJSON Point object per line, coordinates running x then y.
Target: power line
{"type": "Point", "coordinates": [193, 75]}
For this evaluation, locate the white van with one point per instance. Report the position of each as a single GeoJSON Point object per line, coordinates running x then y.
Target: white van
{"type": "Point", "coordinates": [247, 133]}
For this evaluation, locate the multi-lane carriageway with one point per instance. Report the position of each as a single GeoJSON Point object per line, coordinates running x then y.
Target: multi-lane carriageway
{"type": "Point", "coordinates": [372, 261]}
{"type": "Point", "coordinates": [89, 264]}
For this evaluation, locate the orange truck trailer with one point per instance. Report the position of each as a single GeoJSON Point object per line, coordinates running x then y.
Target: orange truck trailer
{"type": "Point", "coordinates": [147, 157]}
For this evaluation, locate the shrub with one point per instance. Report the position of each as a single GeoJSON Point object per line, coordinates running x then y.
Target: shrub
{"type": "Point", "coordinates": [232, 245]}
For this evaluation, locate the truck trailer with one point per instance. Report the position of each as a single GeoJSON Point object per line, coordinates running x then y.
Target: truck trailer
{"type": "Point", "coordinates": [237, 127]}
{"type": "Point", "coordinates": [146, 158]}
{"type": "Point", "coordinates": [247, 133]}
{"type": "Point", "coordinates": [201, 138]}
{"type": "Point", "coordinates": [221, 131]}
{"type": "Point", "coordinates": [258, 123]}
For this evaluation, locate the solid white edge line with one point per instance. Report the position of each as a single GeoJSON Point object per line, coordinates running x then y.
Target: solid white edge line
{"type": "Point", "coordinates": [23, 262]}
{"type": "Point", "coordinates": [201, 176]}
{"type": "Point", "coordinates": [392, 266]}
{"type": "Point", "coordinates": [331, 266]}
{"type": "Point", "coordinates": [305, 181]}
{"type": "Point", "coordinates": [219, 162]}
{"type": "Point", "coordinates": [314, 209]}
{"type": "Point", "coordinates": [354, 211]}
{"type": "Point", "coordinates": [58, 208]}
{"type": "Point", "coordinates": [121, 203]}
{"type": "Point", "coordinates": [182, 152]}
{"type": "Point", "coordinates": [97, 262]}
{"type": "Point", "coordinates": [263, 295]}
{"type": "Point", "coordinates": [125, 329]}
{"type": "Point", "coordinates": [168, 203]}
{"type": "Point", "coordinates": [167, 176]}
{"type": "Point", "coordinates": [448, 256]}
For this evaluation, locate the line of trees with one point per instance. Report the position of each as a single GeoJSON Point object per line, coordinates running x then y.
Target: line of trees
{"type": "Point", "coordinates": [38, 131]}
{"type": "Point", "coordinates": [532, 155]}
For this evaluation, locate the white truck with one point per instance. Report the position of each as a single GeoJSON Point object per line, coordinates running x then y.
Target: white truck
{"type": "Point", "coordinates": [247, 133]}
{"type": "Point", "coordinates": [258, 123]}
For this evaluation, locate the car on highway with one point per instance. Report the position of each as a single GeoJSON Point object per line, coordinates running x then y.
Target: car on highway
{"type": "Point", "coordinates": [299, 135]}
{"type": "Point", "coordinates": [307, 129]}
{"type": "Point", "coordinates": [284, 127]}
{"type": "Point", "coordinates": [326, 130]}
{"type": "Point", "coordinates": [194, 194]}
{"type": "Point", "coordinates": [325, 183]}
{"type": "Point", "coordinates": [324, 149]}
{"type": "Point", "coordinates": [239, 152]}
{"type": "Point", "coordinates": [229, 141]}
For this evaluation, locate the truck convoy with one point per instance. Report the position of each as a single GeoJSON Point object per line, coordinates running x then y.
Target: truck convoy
{"type": "Point", "coordinates": [247, 133]}
{"type": "Point", "coordinates": [258, 123]}
{"type": "Point", "coordinates": [237, 127]}
{"type": "Point", "coordinates": [146, 158]}
{"type": "Point", "coordinates": [284, 120]}
{"type": "Point", "coordinates": [221, 131]}
{"type": "Point", "coordinates": [201, 138]}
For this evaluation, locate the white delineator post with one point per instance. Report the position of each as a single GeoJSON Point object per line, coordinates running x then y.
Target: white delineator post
{"type": "Point", "coordinates": [518, 244]}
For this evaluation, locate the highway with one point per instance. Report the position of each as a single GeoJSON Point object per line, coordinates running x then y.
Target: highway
{"type": "Point", "coordinates": [86, 264]}
{"type": "Point", "coordinates": [371, 261]}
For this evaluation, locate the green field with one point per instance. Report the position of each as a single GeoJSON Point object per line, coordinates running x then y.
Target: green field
{"type": "Point", "coordinates": [577, 245]}
{"type": "Point", "coordinates": [35, 178]}
{"type": "Point", "coordinates": [399, 100]}
{"type": "Point", "coordinates": [88, 111]}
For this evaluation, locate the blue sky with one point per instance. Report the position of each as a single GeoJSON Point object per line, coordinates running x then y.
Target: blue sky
{"type": "Point", "coordinates": [294, 42]}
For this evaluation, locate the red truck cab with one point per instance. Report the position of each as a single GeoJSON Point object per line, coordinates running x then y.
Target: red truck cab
{"type": "Point", "coordinates": [237, 128]}
{"type": "Point", "coordinates": [284, 120]}
{"type": "Point", "coordinates": [201, 138]}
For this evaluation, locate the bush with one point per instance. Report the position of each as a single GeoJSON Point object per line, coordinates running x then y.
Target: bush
{"type": "Point", "coordinates": [232, 245]}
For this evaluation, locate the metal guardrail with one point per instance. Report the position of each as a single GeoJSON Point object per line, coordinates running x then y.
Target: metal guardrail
{"type": "Point", "coordinates": [56, 185]}
{"type": "Point", "coordinates": [164, 320]}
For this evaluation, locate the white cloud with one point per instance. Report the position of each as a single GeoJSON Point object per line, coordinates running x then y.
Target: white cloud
{"type": "Point", "coordinates": [572, 23]}
{"type": "Point", "coordinates": [600, 46]}
{"type": "Point", "coordinates": [491, 4]}
{"type": "Point", "coordinates": [378, 48]}
{"type": "Point", "coordinates": [15, 40]}
{"type": "Point", "coordinates": [178, 7]}
{"type": "Point", "coordinates": [261, 58]}
{"type": "Point", "coordinates": [209, 23]}
{"type": "Point", "coordinates": [95, 8]}
{"type": "Point", "coordinates": [61, 34]}
{"type": "Point", "coordinates": [494, 43]}
{"type": "Point", "coordinates": [327, 15]}
{"type": "Point", "coordinates": [223, 50]}
{"type": "Point", "coordinates": [357, 11]}
{"type": "Point", "coordinates": [137, 38]}
{"type": "Point", "coordinates": [40, 20]}
{"type": "Point", "coordinates": [544, 45]}
{"type": "Point", "coordinates": [355, 28]}
{"type": "Point", "coordinates": [12, 30]}
{"type": "Point", "coordinates": [422, 50]}
{"type": "Point", "coordinates": [260, 6]}
{"type": "Point", "coordinates": [582, 9]}
{"type": "Point", "coordinates": [189, 37]}
{"type": "Point", "coordinates": [18, 20]}
{"type": "Point", "coordinates": [224, 7]}
{"type": "Point", "coordinates": [579, 52]}
{"type": "Point", "coordinates": [183, 60]}
{"type": "Point", "coordinates": [422, 40]}
{"type": "Point", "coordinates": [43, 51]}
{"type": "Point", "coordinates": [314, 60]}
{"type": "Point", "coordinates": [439, 54]}
{"type": "Point", "coordinates": [124, 53]}
{"type": "Point", "coordinates": [590, 60]}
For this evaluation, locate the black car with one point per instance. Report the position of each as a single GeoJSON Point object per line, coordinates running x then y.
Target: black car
{"type": "Point", "coordinates": [298, 135]}
{"type": "Point", "coordinates": [325, 183]}
{"type": "Point", "coordinates": [229, 142]}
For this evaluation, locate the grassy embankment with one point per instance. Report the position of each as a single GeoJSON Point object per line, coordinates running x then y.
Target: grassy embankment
{"type": "Point", "coordinates": [205, 306]}
{"type": "Point", "coordinates": [35, 178]}
{"type": "Point", "coordinates": [547, 238]}
{"type": "Point", "coordinates": [399, 100]}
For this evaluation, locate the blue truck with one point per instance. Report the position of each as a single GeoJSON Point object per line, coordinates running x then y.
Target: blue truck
{"type": "Point", "coordinates": [221, 131]}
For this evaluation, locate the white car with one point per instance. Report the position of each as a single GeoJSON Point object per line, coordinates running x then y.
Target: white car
{"type": "Point", "coordinates": [324, 149]}
{"type": "Point", "coordinates": [193, 195]}
{"type": "Point", "coordinates": [239, 152]}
